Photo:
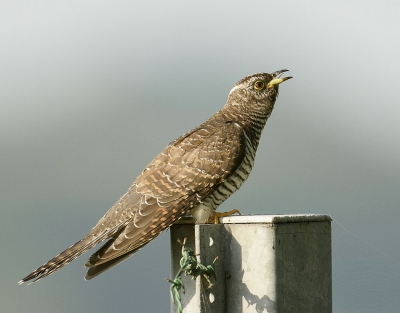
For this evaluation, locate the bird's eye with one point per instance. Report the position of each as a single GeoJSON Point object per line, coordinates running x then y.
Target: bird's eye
{"type": "Point", "coordinates": [259, 85]}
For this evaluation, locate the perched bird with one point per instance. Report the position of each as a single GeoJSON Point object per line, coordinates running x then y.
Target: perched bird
{"type": "Point", "coordinates": [193, 175]}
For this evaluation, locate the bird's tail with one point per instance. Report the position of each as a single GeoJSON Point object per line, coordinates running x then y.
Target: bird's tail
{"type": "Point", "coordinates": [64, 258]}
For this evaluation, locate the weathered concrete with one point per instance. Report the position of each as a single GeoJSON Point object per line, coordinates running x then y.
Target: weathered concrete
{"type": "Point", "coordinates": [267, 263]}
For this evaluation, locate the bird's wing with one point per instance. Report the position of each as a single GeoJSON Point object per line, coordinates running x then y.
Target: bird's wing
{"type": "Point", "coordinates": [180, 177]}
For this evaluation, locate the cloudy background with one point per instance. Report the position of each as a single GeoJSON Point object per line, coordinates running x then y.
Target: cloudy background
{"type": "Point", "coordinates": [91, 91]}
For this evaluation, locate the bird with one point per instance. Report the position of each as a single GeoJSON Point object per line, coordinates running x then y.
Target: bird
{"type": "Point", "coordinates": [193, 175]}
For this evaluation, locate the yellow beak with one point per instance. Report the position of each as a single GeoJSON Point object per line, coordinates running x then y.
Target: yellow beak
{"type": "Point", "coordinates": [277, 81]}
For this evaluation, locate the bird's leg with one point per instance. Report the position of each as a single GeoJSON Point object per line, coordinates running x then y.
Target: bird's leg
{"type": "Point", "coordinates": [217, 215]}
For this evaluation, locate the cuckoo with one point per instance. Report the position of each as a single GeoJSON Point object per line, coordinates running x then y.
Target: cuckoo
{"type": "Point", "coordinates": [193, 175]}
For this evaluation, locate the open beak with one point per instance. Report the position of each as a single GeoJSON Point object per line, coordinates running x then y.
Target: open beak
{"type": "Point", "coordinates": [277, 80]}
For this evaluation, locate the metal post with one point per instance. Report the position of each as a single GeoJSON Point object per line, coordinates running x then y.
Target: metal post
{"type": "Point", "coordinates": [267, 263]}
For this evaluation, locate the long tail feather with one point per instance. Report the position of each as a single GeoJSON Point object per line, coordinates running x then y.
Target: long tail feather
{"type": "Point", "coordinates": [65, 257]}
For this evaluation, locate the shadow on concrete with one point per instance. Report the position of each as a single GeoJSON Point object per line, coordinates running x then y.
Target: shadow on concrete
{"type": "Point", "coordinates": [236, 289]}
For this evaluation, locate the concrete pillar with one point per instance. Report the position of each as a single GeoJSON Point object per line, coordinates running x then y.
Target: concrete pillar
{"type": "Point", "coordinates": [267, 263]}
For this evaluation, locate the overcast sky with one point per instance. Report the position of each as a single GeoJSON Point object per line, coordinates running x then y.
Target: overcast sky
{"type": "Point", "coordinates": [91, 91]}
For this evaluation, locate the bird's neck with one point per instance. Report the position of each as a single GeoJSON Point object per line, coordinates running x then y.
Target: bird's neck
{"type": "Point", "coordinates": [251, 118]}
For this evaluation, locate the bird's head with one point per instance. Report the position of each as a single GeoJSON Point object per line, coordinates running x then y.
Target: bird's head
{"type": "Point", "coordinates": [256, 91]}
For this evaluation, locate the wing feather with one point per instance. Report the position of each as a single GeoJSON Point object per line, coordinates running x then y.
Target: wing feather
{"type": "Point", "coordinates": [185, 173]}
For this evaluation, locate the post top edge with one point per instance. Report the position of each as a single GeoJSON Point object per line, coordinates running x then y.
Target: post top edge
{"type": "Point", "coordinates": [275, 218]}
{"type": "Point", "coordinates": [266, 219]}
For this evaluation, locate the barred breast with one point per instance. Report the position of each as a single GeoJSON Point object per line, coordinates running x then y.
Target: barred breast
{"type": "Point", "coordinates": [206, 208]}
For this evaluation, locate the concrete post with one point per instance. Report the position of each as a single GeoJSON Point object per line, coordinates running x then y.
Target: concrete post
{"type": "Point", "coordinates": [267, 263]}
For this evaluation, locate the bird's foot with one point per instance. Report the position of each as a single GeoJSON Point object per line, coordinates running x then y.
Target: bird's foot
{"type": "Point", "coordinates": [215, 217]}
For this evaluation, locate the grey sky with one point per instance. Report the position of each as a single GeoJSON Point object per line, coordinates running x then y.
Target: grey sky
{"type": "Point", "coordinates": [91, 91]}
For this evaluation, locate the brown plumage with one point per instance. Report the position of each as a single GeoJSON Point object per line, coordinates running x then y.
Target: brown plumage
{"type": "Point", "coordinates": [193, 175]}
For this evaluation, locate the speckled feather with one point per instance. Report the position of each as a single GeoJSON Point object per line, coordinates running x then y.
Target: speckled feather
{"type": "Point", "coordinates": [197, 171]}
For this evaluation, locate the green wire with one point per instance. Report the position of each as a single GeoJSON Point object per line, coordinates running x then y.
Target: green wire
{"type": "Point", "coordinates": [190, 267]}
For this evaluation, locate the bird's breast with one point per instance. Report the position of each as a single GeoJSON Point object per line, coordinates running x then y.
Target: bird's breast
{"type": "Point", "coordinates": [229, 185]}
